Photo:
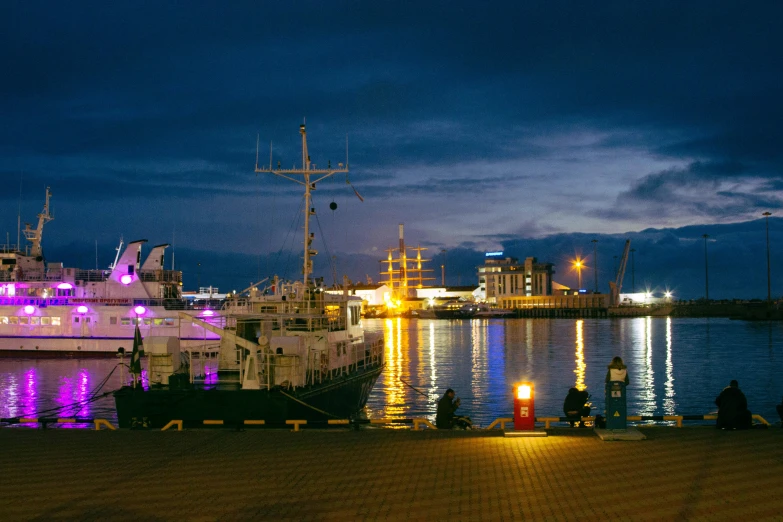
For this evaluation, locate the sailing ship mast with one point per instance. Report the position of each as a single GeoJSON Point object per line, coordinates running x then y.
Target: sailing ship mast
{"type": "Point", "coordinates": [309, 177]}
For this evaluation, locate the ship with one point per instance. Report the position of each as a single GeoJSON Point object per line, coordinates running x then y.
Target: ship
{"type": "Point", "coordinates": [293, 350]}
{"type": "Point", "coordinates": [47, 309]}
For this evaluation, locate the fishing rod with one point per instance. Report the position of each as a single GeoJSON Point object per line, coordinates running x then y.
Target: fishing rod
{"type": "Point", "coordinates": [413, 388]}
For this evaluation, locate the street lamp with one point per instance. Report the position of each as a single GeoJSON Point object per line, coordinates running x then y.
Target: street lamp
{"type": "Point", "coordinates": [443, 268]}
{"type": "Point", "coordinates": [769, 284]}
{"type": "Point", "coordinates": [633, 271]}
{"type": "Point", "coordinates": [706, 271]}
{"type": "Point", "coordinates": [578, 266]}
{"type": "Point", "coordinates": [595, 263]}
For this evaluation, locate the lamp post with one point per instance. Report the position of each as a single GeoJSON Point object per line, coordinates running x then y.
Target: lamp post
{"type": "Point", "coordinates": [633, 271]}
{"type": "Point", "coordinates": [769, 283]}
{"type": "Point", "coordinates": [595, 264]}
{"type": "Point", "coordinates": [578, 266]}
{"type": "Point", "coordinates": [443, 268]}
{"type": "Point", "coordinates": [706, 271]}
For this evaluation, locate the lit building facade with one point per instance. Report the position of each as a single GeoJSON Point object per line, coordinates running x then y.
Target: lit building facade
{"type": "Point", "coordinates": [503, 277]}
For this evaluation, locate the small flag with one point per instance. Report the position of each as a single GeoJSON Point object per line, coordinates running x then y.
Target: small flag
{"type": "Point", "coordinates": [357, 194]}
{"type": "Point", "coordinates": [138, 351]}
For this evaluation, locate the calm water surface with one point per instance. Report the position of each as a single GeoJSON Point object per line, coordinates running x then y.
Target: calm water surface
{"type": "Point", "coordinates": [676, 366]}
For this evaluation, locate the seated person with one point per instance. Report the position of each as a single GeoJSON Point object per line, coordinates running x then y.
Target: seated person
{"type": "Point", "coordinates": [733, 413]}
{"type": "Point", "coordinates": [575, 406]}
{"type": "Point", "coordinates": [444, 420]}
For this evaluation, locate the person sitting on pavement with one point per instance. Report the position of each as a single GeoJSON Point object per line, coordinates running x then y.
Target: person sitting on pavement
{"type": "Point", "coordinates": [733, 413]}
{"type": "Point", "coordinates": [444, 420]}
{"type": "Point", "coordinates": [575, 406]}
{"type": "Point", "coordinates": [617, 371]}
{"type": "Point", "coordinates": [779, 407]}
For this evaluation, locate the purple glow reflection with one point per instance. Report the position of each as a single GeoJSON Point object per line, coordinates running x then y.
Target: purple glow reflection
{"type": "Point", "coordinates": [64, 286]}
{"type": "Point", "coordinates": [207, 313]}
{"type": "Point", "coordinates": [29, 309]}
{"type": "Point", "coordinates": [81, 309]}
{"type": "Point", "coordinates": [126, 279]}
{"type": "Point", "coordinates": [140, 310]}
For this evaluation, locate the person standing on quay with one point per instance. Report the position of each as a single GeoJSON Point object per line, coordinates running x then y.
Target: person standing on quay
{"type": "Point", "coordinates": [617, 371]}
{"type": "Point", "coordinates": [444, 419]}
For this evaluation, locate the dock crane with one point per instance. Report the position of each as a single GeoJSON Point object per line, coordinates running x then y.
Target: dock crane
{"type": "Point", "coordinates": [617, 285]}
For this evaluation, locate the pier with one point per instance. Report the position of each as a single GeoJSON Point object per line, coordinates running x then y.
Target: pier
{"type": "Point", "coordinates": [676, 474]}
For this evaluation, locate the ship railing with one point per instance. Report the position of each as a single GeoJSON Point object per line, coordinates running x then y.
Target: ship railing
{"type": "Point", "coordinates": [166, 276]}
{"type": "Point", "coordinates": [92, 275]}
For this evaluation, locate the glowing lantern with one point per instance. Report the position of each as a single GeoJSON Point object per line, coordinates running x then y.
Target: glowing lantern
{"type": "Point", "coordinates": [29, 309]}
{"type": "Point", "coordinates": [140, 310]}
{"type": "Point", "coordinates": [208, 313]}
{"type": "Point", "coordinates": [81, 309]}
{"type": "Point", "coordinates": [64, 286]}
{"type": "Point", "coordinates": [126, 279]}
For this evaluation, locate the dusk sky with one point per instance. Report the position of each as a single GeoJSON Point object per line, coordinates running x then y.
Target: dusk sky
{"type": "Point", "coordinates": [531, 128]}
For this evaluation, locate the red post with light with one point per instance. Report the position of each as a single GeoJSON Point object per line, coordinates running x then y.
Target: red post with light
{"type": "Point", "coordinates": [524, 406]}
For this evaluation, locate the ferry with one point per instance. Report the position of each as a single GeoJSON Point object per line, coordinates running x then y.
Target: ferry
{"type": "Point", "coordinates": [294, 350]}
{"type": "Point", "coordinates": [47, 309]}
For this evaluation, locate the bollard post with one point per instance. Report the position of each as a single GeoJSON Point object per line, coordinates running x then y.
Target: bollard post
{"type": "Point", "coordinates": [616, 412]}
{"type": "Point", "coordinates": [524, 407]}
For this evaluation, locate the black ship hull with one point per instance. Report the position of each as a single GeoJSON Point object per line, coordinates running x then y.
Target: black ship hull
{"type": "Point", "coordinates": [155, 407]}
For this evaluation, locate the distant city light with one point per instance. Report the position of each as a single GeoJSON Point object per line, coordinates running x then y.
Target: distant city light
{"type": "Point", "coordinates": [126, 279]}
{"type": "Point", "coordinates": [81, 309]}
{"type": "Point", "coordinates": [29, 309]}
{"type": "Point", "coordinates": [140, 310]}
{"type": "Point", "coordinates": [667, 294]}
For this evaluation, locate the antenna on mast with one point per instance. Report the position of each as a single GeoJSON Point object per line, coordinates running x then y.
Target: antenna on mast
{"type": "Point", "coordinates": [258, 137]}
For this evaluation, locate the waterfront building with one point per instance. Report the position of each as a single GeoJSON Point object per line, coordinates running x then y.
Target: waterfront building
{"type": "Point", "coordinates": [507, 283]}
{"type": "Point", "coordinates": [502, 277]}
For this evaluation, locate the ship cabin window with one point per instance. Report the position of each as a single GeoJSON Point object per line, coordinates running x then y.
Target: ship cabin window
{"type": "Point", "coordinates": [147, 321]}
{"type": "Point", "coordinates": [157, 321]}
{"type": "Point", "coordinates": [13, 320]}
{"type": "Point", "coordinates": [125, 321]}
{"type": "Point", "coordinates": [76, 319]}
{"type": "Point", "coordinates": [64, 292]}
{"type": "Point", "coordinates": [86, 319]}
{"type": "Point", "coordinates": [35, 320]}
{"type": "Point", "coordinates": [46, 321]}
{"type": "Point", "coordinates": [112, 320]}
{"type": "Point", "coordinates": [168, 321]}
{"type": "Point", "coordinates": [3, 320]}
{"type": "Point", "coordinates": [55, 321]}
{"type": "Point", "coordinates": [24, 320]}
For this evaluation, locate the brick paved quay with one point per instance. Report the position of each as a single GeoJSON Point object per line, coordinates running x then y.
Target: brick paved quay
{"type": "Point", "coordinates": [692, 473]}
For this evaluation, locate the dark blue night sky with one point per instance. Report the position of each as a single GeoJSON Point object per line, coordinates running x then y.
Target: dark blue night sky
{"type": "Point", "coordinates": [528, 127]}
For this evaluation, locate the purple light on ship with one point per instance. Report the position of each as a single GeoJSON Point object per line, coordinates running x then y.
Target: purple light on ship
{"type": "Point", "coordinates": [64, 286]}
{"type": "Point", "coordinates": [81, 309]}
{"type": "Point", "coordinates": [207, 313]}
{"type": "Point", "coordinates": [29, 309]}
{"type": "Point", "coordinates": [126, 279]}
{"type": "Point", "coordinates": [140, 310]}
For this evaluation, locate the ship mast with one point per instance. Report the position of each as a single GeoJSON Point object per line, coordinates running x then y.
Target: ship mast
{"type": "Point", "coordinates": [309, 177]}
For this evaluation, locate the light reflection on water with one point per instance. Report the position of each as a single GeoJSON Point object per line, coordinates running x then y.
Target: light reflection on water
{"type": "Point", "coordinates": [676, 366]}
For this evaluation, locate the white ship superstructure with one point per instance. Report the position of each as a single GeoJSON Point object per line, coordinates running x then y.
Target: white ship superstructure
{"type": "Point", "coordinates": [48, 309]}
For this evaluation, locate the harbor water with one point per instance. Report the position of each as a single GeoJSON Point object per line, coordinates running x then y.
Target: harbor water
{"type": "Point", "coordinates": [676, 366]}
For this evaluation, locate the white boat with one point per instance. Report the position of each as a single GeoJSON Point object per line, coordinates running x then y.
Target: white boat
{"type": "Point", "coordinates": [295, 350]}
{"type": "Point", "coordinates": [47, 309]}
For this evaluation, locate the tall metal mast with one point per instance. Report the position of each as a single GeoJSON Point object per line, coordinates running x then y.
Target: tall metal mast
{"type": "Point", "coordinates": [309, 177]}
